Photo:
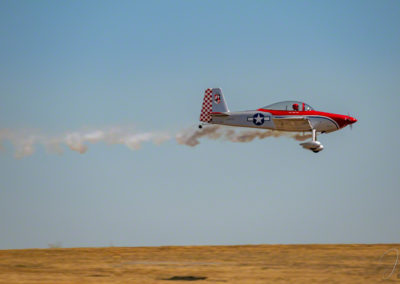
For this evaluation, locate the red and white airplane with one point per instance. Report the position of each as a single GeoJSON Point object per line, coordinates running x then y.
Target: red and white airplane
{"type": "Point", "coordinates": [283, 116]}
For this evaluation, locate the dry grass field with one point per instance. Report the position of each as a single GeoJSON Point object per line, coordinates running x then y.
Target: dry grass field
{"type": "Point", "coordinates": [203, 264]}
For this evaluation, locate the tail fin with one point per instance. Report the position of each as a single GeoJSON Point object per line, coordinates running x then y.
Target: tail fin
{"type": "Point", "coordinates": [206, 109]}
{"type": "Point", "coordinates": [213, 101]}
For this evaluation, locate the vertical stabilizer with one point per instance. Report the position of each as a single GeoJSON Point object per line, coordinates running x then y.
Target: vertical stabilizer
{"type": "Point", "coordinates": [218, 102]}
{"type": "Point", "coordinates": [213, 101]}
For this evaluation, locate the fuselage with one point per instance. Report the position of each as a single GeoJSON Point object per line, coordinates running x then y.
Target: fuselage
{"type": "Point", "coordinates": [323, 122]}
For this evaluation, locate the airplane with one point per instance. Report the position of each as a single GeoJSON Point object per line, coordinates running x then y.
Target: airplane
{"type": "Point", "coordinates": [282, 116]}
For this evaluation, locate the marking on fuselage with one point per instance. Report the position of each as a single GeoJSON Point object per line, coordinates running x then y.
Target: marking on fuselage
{"type": "Point", "coordinates": [258, 119]}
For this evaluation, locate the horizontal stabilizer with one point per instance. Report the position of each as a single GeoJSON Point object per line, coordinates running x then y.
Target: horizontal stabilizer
{"type": "Point", "coordinates": [220, 114]}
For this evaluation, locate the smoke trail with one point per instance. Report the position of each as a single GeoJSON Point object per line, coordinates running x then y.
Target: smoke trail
{"type": "Point", "coordinates": [191, 137]}
{"type": "Point", "coordinates": [22, 141]}
{"type": "Point", "coordinates": [26, 141]}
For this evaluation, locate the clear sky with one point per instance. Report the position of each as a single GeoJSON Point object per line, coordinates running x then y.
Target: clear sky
{"type": "Point", "coordinates": [71, 65]}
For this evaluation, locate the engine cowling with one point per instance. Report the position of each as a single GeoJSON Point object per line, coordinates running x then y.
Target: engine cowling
{"type": "Point", "coordinates": [314, 146]}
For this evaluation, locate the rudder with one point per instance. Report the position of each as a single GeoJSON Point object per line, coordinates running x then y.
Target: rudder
{"type": "Point", "coordinates": [206, 108]}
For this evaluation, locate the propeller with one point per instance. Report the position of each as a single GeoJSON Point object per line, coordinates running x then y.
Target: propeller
{"type": "Point", "coordinates": [351, 124]}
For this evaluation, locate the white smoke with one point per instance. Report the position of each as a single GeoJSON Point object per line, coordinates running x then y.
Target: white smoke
{"type": "Point", "coordinates": [25, 141]}
{"type": "Point", "coordinates": [22, 141]}
{"type": "Point", "coordinates": [191, 137]}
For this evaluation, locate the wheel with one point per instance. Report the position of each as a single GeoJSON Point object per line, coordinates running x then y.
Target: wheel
{"type": "Point", "coordinates": [200, 126]}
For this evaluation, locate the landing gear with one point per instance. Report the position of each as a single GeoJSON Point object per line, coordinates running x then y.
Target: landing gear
{"type": "Point", "coordinates": [200, 126]}
{"type": "Point", "coordinates": [313, 145]}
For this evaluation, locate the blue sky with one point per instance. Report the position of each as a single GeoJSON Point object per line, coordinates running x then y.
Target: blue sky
{"type": "Point", "coordinates": [72, 65]}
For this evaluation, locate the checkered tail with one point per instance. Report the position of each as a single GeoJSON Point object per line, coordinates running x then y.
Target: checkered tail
{"type": "Point", "coordinates": [206, 109]}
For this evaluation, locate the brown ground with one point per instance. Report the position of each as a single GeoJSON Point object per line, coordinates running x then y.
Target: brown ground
{"type": "Point", "coordinates": [203, 264]}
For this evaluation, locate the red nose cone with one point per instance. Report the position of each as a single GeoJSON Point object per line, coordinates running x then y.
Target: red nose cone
{"type": "Point", "coordinates": [351, 120]}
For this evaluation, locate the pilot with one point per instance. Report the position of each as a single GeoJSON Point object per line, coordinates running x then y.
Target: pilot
{"type": "Point", "coordinates": [296, 107]}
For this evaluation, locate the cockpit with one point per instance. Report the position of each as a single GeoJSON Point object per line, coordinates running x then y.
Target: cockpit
{"type": "Point", "coordinates": [290, 106]}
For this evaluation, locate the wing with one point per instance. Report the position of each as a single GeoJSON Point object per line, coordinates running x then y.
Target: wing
{"type": "Point", "coordinates": [292, 123]}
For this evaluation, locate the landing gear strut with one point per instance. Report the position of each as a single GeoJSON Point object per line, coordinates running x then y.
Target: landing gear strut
{"type": "Point", "coordinates": [314, 135]}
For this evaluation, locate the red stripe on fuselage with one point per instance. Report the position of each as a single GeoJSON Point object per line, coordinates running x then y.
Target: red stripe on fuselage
{"type": "Point", "coordinates": [340, 119]}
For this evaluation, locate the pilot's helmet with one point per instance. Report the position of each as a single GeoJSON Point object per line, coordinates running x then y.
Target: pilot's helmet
{"type": "Point", "coordinates": [295, 106]}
